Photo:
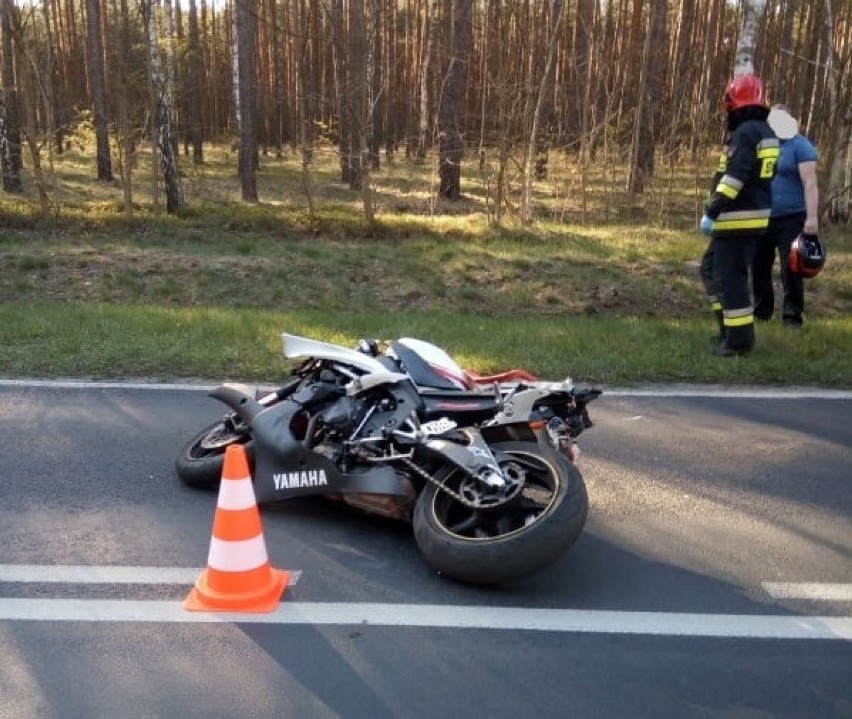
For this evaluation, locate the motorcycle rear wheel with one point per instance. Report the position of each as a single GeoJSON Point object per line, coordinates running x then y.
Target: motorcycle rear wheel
{"type": "Point", "coordinates": [502, 544]}
{"type": "Point", "coordinates": [199, 464]}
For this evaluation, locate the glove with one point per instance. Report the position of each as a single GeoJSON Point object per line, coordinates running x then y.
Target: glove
{"type": "Point", "coordinates": [368, 347]}
{"type": "Point", "coordinates": [706, 225]}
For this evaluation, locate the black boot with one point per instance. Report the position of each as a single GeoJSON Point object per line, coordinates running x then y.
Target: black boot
{"type": "Point", "coordinates": [723, 349]}
{"type": "Point", "coordinates": [738, 342]}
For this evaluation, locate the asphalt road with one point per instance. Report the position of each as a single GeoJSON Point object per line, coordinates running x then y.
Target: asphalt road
{"type": "Point", "coordinates": [714, 577]}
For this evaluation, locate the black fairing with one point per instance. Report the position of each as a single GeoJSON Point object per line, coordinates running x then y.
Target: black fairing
{"type": "Point", "coordinates": [466, 408]}
{"type": "Point", "coordinates": [285, 467]}
{"type": "Point", "coordinates": [281, 460]}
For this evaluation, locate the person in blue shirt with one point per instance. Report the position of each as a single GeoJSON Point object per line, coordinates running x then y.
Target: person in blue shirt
{"type": "Point", "coordinates": [795, 202]}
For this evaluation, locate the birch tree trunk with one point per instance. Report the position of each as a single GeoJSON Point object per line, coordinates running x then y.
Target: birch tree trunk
{"type": "Point", "coordinates": [171, 63]}
{"type": "Point", "coordinates": [235, 66]}
{"type": "Point", "coordinates": [747, 41]}
{"type": "Point", "coordinates": [163, 121]}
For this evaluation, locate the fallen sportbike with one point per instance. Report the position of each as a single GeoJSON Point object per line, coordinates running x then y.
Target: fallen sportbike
{"type": "Point", "coordinates": [482, 467]}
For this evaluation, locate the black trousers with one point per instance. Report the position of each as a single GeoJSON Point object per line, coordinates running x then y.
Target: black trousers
{"type": "Point", "coordinates": [782, 232]}
{"type": "Point", "coordinates": [725, 269]}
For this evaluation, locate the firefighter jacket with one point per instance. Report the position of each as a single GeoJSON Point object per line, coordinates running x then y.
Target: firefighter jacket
{"type": "Point", "coordinates": [742, 185]}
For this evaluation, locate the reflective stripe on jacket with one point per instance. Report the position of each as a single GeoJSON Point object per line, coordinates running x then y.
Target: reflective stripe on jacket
{"type": "Point", "coordinates": [742, 185]}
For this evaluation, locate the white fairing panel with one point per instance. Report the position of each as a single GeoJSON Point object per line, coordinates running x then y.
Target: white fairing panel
{"type": "Point", "coordinates": [295, 346]}
{"type": "Point", "coordinates": [436, 357]}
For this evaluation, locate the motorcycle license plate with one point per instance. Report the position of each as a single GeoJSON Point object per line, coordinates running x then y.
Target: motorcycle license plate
{"type": "Point", "coordinates": [438, 426]}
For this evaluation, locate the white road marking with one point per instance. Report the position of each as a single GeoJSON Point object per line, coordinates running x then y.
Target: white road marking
{"type": "Point", "coordinates": [407, 615]}
{"type": "Point", "coordinates": [83, 574]}
{"type": "Point", "coordinates": [82, 384]}
{"type": "Point", "coordinates": [442, 616]}
{"type": "Point", "coordinates": [661, 391]}
{"type": "Point", "coordinates": [732, 392]}
{"type": "Point", "coordinates": [809, 590]}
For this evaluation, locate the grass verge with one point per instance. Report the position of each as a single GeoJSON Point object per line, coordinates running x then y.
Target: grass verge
{"type": "Point", "coordinates": [98, 341]}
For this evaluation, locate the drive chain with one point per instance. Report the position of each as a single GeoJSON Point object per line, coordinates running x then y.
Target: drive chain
{"type": "Point", "coordinates": [444, 488]}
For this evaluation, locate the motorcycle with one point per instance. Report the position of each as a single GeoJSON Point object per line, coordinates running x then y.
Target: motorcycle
{"type": "Point", "coordinates": [481, 466]}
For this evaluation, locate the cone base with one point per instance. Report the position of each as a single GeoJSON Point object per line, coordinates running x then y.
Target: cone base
{"type": "Point", "coordinates": [264, 599]}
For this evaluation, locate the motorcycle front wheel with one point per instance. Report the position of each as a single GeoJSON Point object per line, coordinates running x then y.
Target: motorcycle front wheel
{"type": "Point", "coordinates": [200, 462]}
{"type": "Point", "coordinates": [497, 544]}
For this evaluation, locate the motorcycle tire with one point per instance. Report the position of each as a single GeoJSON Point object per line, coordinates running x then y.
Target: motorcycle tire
{"type": "Point", "coordinates": [500, 545]}
{"type": "Point", "coordinates": [201, 467]}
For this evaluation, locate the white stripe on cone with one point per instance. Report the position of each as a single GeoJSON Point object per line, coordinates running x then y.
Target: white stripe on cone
{"type": "Point", "coordinates": [236, 494]}
{"type": "Point", "coordinates": [237, 556]}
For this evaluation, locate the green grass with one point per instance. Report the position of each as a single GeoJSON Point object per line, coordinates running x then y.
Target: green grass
{"type": "Point", "coordinates": [143, 341]}
{"type": "Point", "coordinates": [92, 293]}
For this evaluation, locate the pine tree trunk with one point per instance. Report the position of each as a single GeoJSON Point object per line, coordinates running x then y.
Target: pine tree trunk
{"type": "Point", "coordinates": [556, 13]}
{"type": "Point", "coordinates": [451, 107]}
{"type": "Point", "coordinates": [126, 139]}
{"type": "Point", "coordinates": [10, 131]}
{"type": "Point", "coordinates": [425, 62]}
{"type": "Point", "coordinates": [341, 76]}
{"type": "Point", "coordinates": [838, 198]}
{"type": "Point", "coordinates": [277, 83]}
{"type": "Point", "coordinates": [649, 96]}
{"type": "Point", "coordinates": [97, 82]}
{"type": "Point", "coordinates": [49, 84]}
{"type": "Point", "coordinates": [375, 96]}
{"type": "Point", "coordinates": [27, 82]}
{"type": "Point", "coordinates": [358, 78]}
{"type": "Point", "coordinates": [306, 106]}
{"type": "Point", "coordinates": [196, 74]}
{"type": "Point", "coordinates": [246, 19]}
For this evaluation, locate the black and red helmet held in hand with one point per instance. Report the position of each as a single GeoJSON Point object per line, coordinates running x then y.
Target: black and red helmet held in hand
{"type": "Point", "coordinates": [807, 256]}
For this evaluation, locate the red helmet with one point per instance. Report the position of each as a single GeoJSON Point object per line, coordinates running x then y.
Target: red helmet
{"type": "Point", "coordinates": [744, 91]}
{"type": "Point", "coordinates": [807, 256]}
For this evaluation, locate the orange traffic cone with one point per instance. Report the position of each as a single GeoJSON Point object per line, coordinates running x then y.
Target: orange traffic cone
{"type": "Point", "coordinates": [238, 577]}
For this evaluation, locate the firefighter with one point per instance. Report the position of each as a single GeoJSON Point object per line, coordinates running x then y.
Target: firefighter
{"type": "Point", "coordinates": [737, 213]}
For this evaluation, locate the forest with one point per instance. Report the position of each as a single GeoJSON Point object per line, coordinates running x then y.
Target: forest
{"type": "Point", "coordinates": [488, 87]}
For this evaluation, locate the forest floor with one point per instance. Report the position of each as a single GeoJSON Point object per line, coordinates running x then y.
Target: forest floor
{"type": "Point", "coordinates": [593, 253]}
